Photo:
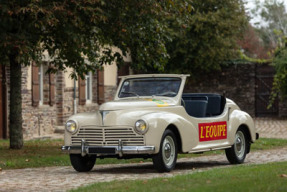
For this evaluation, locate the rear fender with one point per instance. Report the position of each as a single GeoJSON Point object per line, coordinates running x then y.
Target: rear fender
{"type": "Point", "coordinates": [239, 118]}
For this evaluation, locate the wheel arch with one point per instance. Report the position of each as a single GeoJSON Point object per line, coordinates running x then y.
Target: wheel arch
{"type": "Point", "coordinates": [246, 130]}
{"type": "Point", "coordinates": [174, 129]}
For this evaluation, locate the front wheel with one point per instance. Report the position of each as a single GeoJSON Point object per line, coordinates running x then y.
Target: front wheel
{"type": "Point", "coordinates": [82, 164]}
{"type": "Point", "coordinates": [237, 153]}
{"type": "Point", "coordinates": [165, 160]}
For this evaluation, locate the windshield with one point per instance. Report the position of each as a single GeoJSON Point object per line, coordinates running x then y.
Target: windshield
{"type": "Point", "coordinates": [153, 86]}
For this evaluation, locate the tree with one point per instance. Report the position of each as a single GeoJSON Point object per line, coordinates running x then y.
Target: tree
{"type": "Point", "coordinates": [273, 21]}
{"type": "Point", "coordinates": [210, 38]}
{"type": "Point", "coordinates": [252, 44]}
{"type": "Point", "coordinates": [73, 31]}
{"type": "Point", "coordinates": [280, 78]}
{"type": "Point", "coordinates": [273, 31]}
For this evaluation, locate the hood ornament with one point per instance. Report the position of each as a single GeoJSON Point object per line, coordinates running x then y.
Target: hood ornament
{"type": "Point", "coordinates": [104, 114]}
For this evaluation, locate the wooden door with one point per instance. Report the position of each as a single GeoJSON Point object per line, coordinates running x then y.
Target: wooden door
{"type": "Point", "coordinates": [264, 80]}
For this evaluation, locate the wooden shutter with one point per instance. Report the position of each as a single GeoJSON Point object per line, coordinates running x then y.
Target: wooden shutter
{"type": "Point", "coordinates": [100, 86]}
{"type": "Point", "coordinates": [123, 70]}
{"type": "Point", "coordinates": [52, 89]}
{"type": "Point", "coordinates": [82, 91]}
{"type": "Point", "coordinates": [35, 85]}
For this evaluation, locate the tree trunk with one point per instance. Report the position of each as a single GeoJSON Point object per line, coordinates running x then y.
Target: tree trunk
{"type": "Point", "coordinates": [15, 113]}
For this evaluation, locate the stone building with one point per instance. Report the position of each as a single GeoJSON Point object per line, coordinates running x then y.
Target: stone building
{"type": "Point", "coordinates": [49, 99]}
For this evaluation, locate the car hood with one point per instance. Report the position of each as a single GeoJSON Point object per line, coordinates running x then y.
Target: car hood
{"type": "Point", "coordinates": [136, 103]}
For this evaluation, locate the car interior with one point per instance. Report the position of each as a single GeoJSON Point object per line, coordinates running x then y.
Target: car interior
{"type": "Point", "coordinates": [203, 104]}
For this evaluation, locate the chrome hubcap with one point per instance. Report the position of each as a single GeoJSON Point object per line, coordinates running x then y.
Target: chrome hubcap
{"type": "Point", "coordinates": [240, 145]}
{"type": "Point", "coordinates": [168, 152]}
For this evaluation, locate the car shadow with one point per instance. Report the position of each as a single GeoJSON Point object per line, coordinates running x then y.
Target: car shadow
{"type": "Point", "coordinates": [148, 167]}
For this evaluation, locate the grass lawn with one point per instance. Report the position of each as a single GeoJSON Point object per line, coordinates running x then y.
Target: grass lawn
{"type": "Point", "coordinates": [42, 153]}
{"type": "Point", "coordinates": [266, 177]}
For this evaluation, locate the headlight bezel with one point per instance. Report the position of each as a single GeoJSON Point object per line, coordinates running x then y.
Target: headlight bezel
{"type": "Point", "coordinates": [68, 126]}
{"type": "Point", "coordinates": [139, 125]}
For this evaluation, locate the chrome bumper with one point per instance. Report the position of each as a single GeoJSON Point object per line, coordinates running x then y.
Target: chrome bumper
{"type": "Point", "coordinates": [120, 150]}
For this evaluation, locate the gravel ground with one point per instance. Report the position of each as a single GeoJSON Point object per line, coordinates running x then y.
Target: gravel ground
{"type": "Point", "coordinates": [62, 178]}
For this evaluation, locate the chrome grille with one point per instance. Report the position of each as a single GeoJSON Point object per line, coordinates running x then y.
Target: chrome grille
{"type": "Point", "coordinates": [108, 136]}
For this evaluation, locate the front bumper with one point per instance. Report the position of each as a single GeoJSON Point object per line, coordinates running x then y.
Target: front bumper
{"type": "Point", "coordinates": [120, 150]}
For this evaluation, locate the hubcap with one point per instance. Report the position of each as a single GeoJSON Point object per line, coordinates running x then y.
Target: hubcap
{"type": "Point", "coordinates": [168, 152]}
{"type": "Point", "coordinates": [239, 145]}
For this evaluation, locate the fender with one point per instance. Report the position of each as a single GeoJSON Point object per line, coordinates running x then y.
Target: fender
{"type": "Point", "coordinates": [238, 118]}
{"type": "Point", "coordinates": [159, 122]}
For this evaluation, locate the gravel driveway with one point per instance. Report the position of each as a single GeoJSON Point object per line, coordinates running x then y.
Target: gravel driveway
{"type": "Point", "coordinates": [62, 178]}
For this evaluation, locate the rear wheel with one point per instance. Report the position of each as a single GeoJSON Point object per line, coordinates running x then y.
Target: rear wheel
{"type": "Point", "coordinates": [82, 164]}
{"type": "Point", "coordinates": [237, 153]}
{"type": "Point", "coordinates": [165, 160]}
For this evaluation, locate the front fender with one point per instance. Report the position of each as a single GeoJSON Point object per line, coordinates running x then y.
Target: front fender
{"type": "Point", "coordinates": [238, 118]}
{"type": "Point", "coordinates": [159, 122]}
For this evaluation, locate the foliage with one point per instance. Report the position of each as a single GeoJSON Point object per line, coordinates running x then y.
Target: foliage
{"type": "Point", "coordinates": [210, 36]}
{"type": "Point", "coordinates": [265, 177]}
{"type": "Point", "coordinates": [74, 32]}
{"type": "Point", "coordinates": [80, 34]}
{"type": "Point", "coordinates": [252, 45]}
{"type": "Point", "coordinates": [280, 78]}
{"type": "Point", "coordinates": [274, 21]}
{"type": "Point", "coordinates": [273, 31]}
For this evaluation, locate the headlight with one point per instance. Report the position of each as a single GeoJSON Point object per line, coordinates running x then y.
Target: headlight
{"type": "Point", "coordinates": [71, 126]}
{"type": "Point", "coordinates": [141, 127]}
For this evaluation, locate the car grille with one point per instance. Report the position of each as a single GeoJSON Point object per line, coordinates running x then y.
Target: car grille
{"type": "Point", "coordinates": [107, 136]}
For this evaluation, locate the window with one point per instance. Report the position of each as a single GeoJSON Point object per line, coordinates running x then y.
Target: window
{"type": "Point", "coordinates": [43, 85]}
{"type": "Point", "coordinates": [88, 89]}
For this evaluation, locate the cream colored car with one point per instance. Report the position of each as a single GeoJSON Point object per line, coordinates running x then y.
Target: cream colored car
{"type": "Point", "coordinates": [150, 117]}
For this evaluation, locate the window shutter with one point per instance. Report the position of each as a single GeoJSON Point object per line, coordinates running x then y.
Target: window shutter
{"type": "Point", "coordinates": [100, 86]}
{"type": "Point", "coordinates": [123, 70]}
{"type": "Point", "coordinates": [52, 89]}
{"type": "Point", "coordinates": [35, 85]}
{"type": "Point", "coordinates": [82, 91]}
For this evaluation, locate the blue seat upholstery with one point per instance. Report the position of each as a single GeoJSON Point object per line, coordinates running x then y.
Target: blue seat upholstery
{"type": "Point", "coordinates": [196, 108]}
{"type": "Point", "coordinates": [215, 103]}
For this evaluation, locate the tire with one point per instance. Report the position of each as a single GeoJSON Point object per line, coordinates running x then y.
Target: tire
{"type": "Point", "coordinates": [82, 164]}
{"type": "Point", "coordinates": [237, 153]}
{"type": "Point", "coordinates": [165, 160]}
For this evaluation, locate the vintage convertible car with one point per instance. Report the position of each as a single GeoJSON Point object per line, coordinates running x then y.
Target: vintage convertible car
{"type": "Point", "coordinates": [151, 117]}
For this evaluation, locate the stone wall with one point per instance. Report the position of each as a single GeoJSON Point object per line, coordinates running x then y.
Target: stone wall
{"type": "Point", "coordinates": [110, 92]}
{"type": "Point", "coordinates": [43, 120]}
{"type": "Point", "coordinates": [37, 121]}
{"type": "Point", "coordinates": [236, 82]}
{"type": "Point", "coordinates": [283, 108]}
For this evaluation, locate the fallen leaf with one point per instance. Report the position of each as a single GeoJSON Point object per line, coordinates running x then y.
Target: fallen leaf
{"type": "Point", "coordinates": [27, 160]}
{"type": "Point", "coordinates": [283, 175]}
{"type": "Point", "coordinates": [165, 180]}
{"type": "Point", "coordinates": [0, 169]}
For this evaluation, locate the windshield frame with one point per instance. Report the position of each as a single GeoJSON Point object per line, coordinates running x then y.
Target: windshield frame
{"type": "Point", "coordinates": [154, 80]}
